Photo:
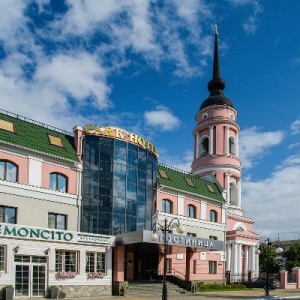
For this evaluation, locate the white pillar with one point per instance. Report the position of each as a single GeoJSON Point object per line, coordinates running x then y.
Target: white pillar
{"type": "Point", "coordinates": [197, 141]}
{"type": "Point", "coordinates": [226, 141]}
{"type": "Point", "coordinates": [211, 140]}
{"type": "Point", "coordinates": [237, 145]}
{"type": "Point", "coordinates": [227, 186]}
{"type": "Point", "coordinates": [256, 270]}
{"type": "Point", "coordinates": [246, 261]}
{"type": "Point", "coordinates": [239, 260]}
{"type": "Point", "coordinates": [228, 257]}
{"type": "Point", "coordinates": [252, 258]}
{"type": "Point", "coordinates": [239, 192]}
{"type": "Point", "coordinates": [234, 261]}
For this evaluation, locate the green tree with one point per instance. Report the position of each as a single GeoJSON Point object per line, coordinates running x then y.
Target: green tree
{"type": "Point", "coordinates": [267, 257]}
{"type": "Point", "coordinates": [292, 256]}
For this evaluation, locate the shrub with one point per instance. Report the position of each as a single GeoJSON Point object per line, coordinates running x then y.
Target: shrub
{"type": "Point", "coordinates": [215, 287]}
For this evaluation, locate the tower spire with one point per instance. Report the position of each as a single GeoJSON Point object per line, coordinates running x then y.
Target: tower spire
{"type": "Point", "coordinates": [217, 84]}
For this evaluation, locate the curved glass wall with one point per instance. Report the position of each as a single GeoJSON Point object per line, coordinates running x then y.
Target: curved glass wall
{"type": "Point", "coordinates": [118, 180]}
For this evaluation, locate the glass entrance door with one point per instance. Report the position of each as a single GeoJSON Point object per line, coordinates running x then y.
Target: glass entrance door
{"type": "Point", "coordinates": [30, 276]}
{"type": "Point", "coordinates": [38, 280]}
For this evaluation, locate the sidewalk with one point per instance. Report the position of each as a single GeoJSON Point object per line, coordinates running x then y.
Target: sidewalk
{"type": "Point", "coordinates": [253, 294]}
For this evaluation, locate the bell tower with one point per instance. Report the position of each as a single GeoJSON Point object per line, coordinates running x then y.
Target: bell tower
{"type": "Point", "coordinates": [216, 134]}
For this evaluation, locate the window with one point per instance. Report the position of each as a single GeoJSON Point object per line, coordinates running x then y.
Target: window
{"type": "Point", "coordinates": [57, 221]}
{"type": "Point", "coordinates": [66, 261]}
{"type": "Point", "coordinates": [2, 258]}
{"type": "Point", "coordinates": [204, 146]}
{"type": "Point", "coordinates": [191, 211]}
{"type": "Point", "coordinates": [191, 234]}
{"type": "Point", "coordinates": [95, 262]}
{"type": "Point", "coordinates": [231, 146]}
{"type": "Point", "coordinates": [8, 171]}
{"type": "Point", "coordinates": [56, 141]}
{"type": "Point", "coordinates": [211, 237]}
{"type": "Point", "coordinates": [213, 216]}
{"type": "Point", "coordinates": [210, 188]}
{"type": "Point", "coordinates": [166, 206]}
{"type": "Point", "coordinates": [7, 126]}
{"type": "Point", "coordinates": [163, 174]}
{"type": "Point", "coordinates": [58, 182]}
{"type": "Point", "coordinates": [212, 265]}
{"type": "Point", "coordinates": [189, 181]}
{"type": "Point", "coordinates": [8, 214]}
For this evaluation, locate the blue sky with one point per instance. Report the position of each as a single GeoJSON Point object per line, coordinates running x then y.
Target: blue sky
{"type": "Point", "coordinates": [144, 66]}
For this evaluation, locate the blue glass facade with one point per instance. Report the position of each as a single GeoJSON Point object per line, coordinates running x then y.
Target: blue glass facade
{"type": "Point", "coordinates": [118, 180]}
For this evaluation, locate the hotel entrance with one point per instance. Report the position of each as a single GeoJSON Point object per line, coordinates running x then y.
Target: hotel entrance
{"type": "Point", "coordinates": [30, 276]}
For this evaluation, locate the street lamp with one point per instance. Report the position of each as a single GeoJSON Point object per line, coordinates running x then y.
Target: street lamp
{"type": "Point", "coordinates": [174, 223]}
{"type": "Point", "coordinates": [278, 251]}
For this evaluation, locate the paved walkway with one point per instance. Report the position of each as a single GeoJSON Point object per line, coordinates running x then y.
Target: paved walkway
{"type": "Point", "coordinates": [246, 294]}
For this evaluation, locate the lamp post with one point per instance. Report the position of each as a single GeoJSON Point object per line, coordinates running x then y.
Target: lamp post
{"type": "Point", "coordinates": [278, 251]}
{"type": "Point", "coordinates": [173, 223]}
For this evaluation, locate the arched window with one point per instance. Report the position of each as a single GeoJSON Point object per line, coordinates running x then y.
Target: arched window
{"type": "Point", "coordinates": [8, 171]}
{"type": "Point", "coordinates": [213, 216]}
{"type": "Point", "coordinates": [58, 182]}
{"type": "Point", "coordinates": [232, 193]}
{"type": "Point", "coordinates": [204, 146]}
{"type": "Point", "coordinates": [191, 211]}
{"type": "Point", "coordinates": [166, 206]}
{"type": "Point", "coordinates": [231, 146]}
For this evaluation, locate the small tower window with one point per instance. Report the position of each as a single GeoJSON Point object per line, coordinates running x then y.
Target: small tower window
{"type": "Point", "coordinates": [233, 193]}
{"type": "Point", "coordinates": [204, 146]}
{"type": "Point", "coordinates": [231, 146]}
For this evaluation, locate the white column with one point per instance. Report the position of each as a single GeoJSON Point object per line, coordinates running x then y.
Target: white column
{"type": "Point", "coordinates": [197, 141]}
{"type": "Point", "coordinates": [246, 260]}
{"type": "Point", "coordinates": [228, 257]}
{"type": "Point", "coordinates": [256, 270]}
{"type": "Point", "coordinates": [227, 187]}
{"type": "Point", "coordinates": [226, 141]}
{"type": "Point", "coordinates": [239, 260]}
{"type": "Point", "coordinates": [237, 145]}
{"type": "Point", "coordinates": [252, 258]}
{"type": "Point", "coordinates": [203, 210]}
{"type": "Point", "coordinates": [211, 140]}
{"type": "Point", "coordinates": [239, 192]}
{"type": "Point", "coordinates": [234, 261]}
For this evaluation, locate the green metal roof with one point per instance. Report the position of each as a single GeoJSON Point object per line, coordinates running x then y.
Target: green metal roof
{"type": "Point", "coordinates": [35, 137]}
{"type": "Point", "coordinates": [201, 186]}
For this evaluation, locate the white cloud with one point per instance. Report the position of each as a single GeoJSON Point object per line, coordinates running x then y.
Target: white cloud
{"type": "Point", "coordinates": [182, 162]}
{"type": "Point", "coordinates": [255, 144]}
{"type": "Point", "coordinates": [80, 77]}
{"type": "Point", "coordinates": [249, 24]}
{"type": "Point", "coordinates": [295, 127]}
{"type": "Point", "coordinates": [274, 202]}
{"type": "Point", "coordinates": [161, 118]}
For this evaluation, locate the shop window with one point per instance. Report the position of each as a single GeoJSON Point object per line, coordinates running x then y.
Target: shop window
{"type": "Point", "coordinates": [191, 234]}
{"type": "Point", "coordinates": [2, 258]}
{"type": "Point", "coordinates": [66, 261]}
{"type": "Point", "coordinates": [8, 214]}
{"type": "Point", "coordinates": [167, 206]}
{"type": "Point", "coordinates": [191, 211]}
{"type": "Point", "coordinates": [212, 266]}
{"type": "Point", "coordinates": [95, 262]}
{"type": "Point", "coordinates": [8, 171]}
{"type": "Point", "coordinates": [211, 237]}
{"type": "Point", "coordinates": [58, 182]}
{"type": "Point", "coordinates": [57, 221]}
{"type": "Point", "coordinates": [213, 216]}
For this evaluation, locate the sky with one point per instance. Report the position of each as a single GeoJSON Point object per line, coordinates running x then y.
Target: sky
{"type": "Point", "coordinates": [144, 65]}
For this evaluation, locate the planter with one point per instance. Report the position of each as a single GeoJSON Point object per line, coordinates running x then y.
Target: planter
{"type": "Point", "coordinates": [8, 293]}
{"type": "Point", "coordinates": [53, 292]}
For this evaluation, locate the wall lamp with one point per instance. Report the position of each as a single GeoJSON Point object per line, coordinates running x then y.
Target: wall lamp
{"type": "Point", "coordinates": [47, 251]}
{"type": "Point", "coordinates": [16, 249]}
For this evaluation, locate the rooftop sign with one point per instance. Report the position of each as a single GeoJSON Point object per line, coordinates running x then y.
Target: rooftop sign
{"type": "Point", "coordinates": [120, 134]}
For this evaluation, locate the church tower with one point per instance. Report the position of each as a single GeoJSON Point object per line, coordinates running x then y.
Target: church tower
{"type": "Point", "coordinates": [216, 152]}
{"type": "Point", "coordinates": [216, 138]}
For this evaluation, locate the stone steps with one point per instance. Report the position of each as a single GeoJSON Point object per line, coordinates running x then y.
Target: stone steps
{"type": "Point", "coordinates": [153, 288]}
